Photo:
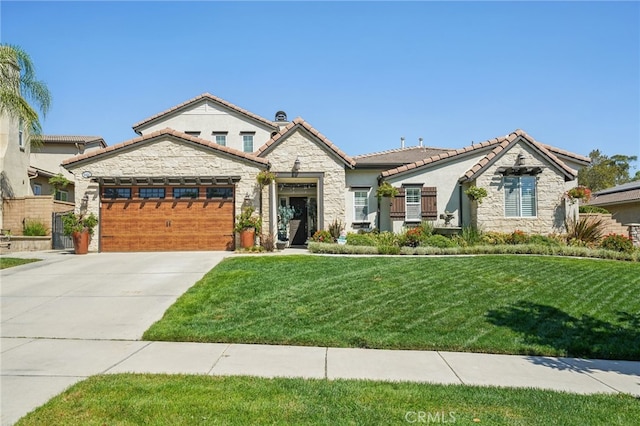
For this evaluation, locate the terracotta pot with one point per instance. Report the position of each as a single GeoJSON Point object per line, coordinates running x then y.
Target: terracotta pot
{"type": "Point", "coordinates": [247, 238]}
{"type": "Point", "coordinates": [81, 242]}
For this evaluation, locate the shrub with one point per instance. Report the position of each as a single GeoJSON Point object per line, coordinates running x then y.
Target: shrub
{"type": "Point", "coordinates": [617, 242]}
{"type": "Point", "coordinates": [34, 228]}
{"type": "Point", "coordinates": [586, 229]}
{"type": "Point", "coordinates": [476, 193]}
{"type": "Point", "coordinates": [322, 236]}
{"type": "Point", "coordinates": [335, 229]}
{"type": "Point", "coordinates": [413, 237]}
{"type": "Point", "coordinates": [592, 209]}
{"type": "Point", "coordinates": [388, 249]}
{"type": "Point", "coordinates": [361, 239]}
{"type": "Point", "coordinates": [517, 237]}
{"type": "Point", "coordinates": [439, 241]}
{"type": "Point", "coordinates": [470, 236]}
{"type": "Point", "coordinates": [427, 227]}
{"type": "Point", "coordinates": [494, 238]}
{"type": "Point", "coordinates": [544, 240]}
{"type": "Point", "coordinates": [387, 239]}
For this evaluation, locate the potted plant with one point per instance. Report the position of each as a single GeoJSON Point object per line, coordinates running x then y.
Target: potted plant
{"type": "Point", "coordinates": [476, 193]}
{"type": "Point", "coordinates": [249, 223]}
{"type": "Point", "coordinates": [80, 228]}
{"type": "Point", "coordinates": [386, 190]}
{"type": "Point", "coordinates": [580, 192]}
{"type": "Point", "coordinates": [285, 214]}
{"type": "Point", "coordinates": [265, 177]}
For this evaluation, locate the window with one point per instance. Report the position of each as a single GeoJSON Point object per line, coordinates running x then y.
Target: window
{"type": "Point", "coordinates": [37, 189]}
{"type": "Point", "coordinates": [21, 134]}
{"type": "Point", "coordinates": [62, 195]}
{"type": "Point", "coordinates": [412, 200]}
{"type": "Point", "coordinates": [220, 138]}
{"type": "Point", "coordinates": [114, 193]}
{"type": "Point", "coordinates": [193, 133]}
{"type": "Point", "coordinates": [247, 142]}
{"type": "Point", "coordinates": [151, 193]}
{"type": "Point", "coordinates": [185, 192]}
{"type": "Point", "coordinates": [220, 192]}
{"type": "Point", "coordinates": [360, 205]}
{"type": "Point", "coordinates": [520, 196]}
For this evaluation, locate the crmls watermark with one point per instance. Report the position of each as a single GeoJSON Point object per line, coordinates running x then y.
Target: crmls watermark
{"type": "Point", "coordinates": [438, 417]}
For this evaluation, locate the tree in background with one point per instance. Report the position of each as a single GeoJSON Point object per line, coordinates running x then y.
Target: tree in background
{"type": "Point", "coordinates": [605, 172]}
{"type": "Point", "coordinates": [20, 89]}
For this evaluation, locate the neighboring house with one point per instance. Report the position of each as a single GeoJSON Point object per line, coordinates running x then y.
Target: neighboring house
{"type": "Point", "coordinates": [14, 161]}
{"type": "Point", "coordinates": [180, 185]}
{"type": "Point", "coordinates": [46, 160]}
{"type": "Point", "coordinates": [622, 201]}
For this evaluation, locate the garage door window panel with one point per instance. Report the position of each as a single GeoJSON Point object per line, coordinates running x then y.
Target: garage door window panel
{"type": "Point", "coordinates": [146, 193]}
{"type": "Point", "coordinates": [187, 193]}
{"type": "Point", "coordinates": [220, 193]}
{"type": "Point", "coordinates": [116, 193]}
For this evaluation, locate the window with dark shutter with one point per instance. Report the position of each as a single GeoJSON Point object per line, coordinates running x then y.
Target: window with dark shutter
{"type": "Point", "coordinates": [397, 205]}
{"type": "Point", "coordinates": [429, 203]}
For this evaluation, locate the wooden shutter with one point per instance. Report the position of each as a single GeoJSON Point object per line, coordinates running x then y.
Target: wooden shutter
{"type": "Point", "coordinates": [429, 203]}
{"type": "Point", "coordinates": [397, 205]}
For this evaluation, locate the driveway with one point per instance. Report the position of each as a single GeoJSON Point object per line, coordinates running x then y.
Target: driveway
{"type": "Point", "coordinates": [100, 304]}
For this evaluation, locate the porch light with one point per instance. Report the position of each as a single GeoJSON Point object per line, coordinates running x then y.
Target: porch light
{"type": "Point", "coordinates": [296, 166]}
{"type": "Point", "coordinates": [247, 201]}
{"type": "Point", "coordinates": [520, 160]}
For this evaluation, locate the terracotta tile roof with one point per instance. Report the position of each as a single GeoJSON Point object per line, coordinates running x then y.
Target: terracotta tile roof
{"type": "Point", "coordinates": [166, 132]}
{"type": "Point", "coordinates": [498, 145]}
{"type": "Point", "coordinates": [573, 155]}
{"type": "Point", "coordinates": [300, 123]}
{"type": "Point", "coordinates": [72, 139]}
{"type": "Point", "coordinates": [620, 194]}
{"type": "Point", "coordinates": [397, 157]}
{"type": "Point", "coordinates": [442, 156]}
{"type": "Point", "coordinates": [210, 97]}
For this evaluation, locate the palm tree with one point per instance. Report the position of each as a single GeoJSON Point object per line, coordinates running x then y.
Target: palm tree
{"type": "Point", "coordinates": [19, 87]}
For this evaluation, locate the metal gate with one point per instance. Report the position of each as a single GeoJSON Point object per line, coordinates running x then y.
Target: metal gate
{"type": "Point", "coordinates": [60, 241]}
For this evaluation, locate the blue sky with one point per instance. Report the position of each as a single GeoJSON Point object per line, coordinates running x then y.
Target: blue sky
{"type": "Point", "coordinates": [363, 73]}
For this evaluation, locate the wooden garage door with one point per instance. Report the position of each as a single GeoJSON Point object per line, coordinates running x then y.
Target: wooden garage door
{"type": "Point", "coordinates": [166, 224]}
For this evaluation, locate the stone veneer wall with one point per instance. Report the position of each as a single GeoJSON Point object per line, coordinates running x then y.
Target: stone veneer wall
{"type": "Point", "coordinates": [549, 191]}
{"type": "Point", "coordinates": [634, 233]}
{"type": "Point", "coordinates": [313, 158]}
{"type": "Point", "coordinates": [163, 157]}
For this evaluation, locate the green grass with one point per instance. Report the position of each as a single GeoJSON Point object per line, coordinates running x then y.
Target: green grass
{"type": "Point", "coordinates": [188, 400]}
{"type": "Point", "coordinates": [9, 262]}
{"type": "Point", "coordinates": [529, 305]}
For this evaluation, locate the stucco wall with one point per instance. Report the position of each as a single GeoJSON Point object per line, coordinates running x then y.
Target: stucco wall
{"type": "Point", "coordinates": [625, 213]}
{"type": "Point", "coordinates": [313, 159]}
{"type": "Point", "coordinates": [164, 157]}
{"type": "Point", "coordinates": [361, 178]}
{"type": "Point", "coordinates": [207, 117]}
{"type": "Point", "coordinates": [445, 177]}
{"type": "Point", "coordinates": [550, 187]}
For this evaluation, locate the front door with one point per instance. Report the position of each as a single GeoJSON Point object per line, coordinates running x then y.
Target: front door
{"type": "Point", "coordinates": [298, 224]}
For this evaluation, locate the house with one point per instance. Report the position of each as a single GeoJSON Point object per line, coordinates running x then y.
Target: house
{"type": "Point", "coordinates": [45, 162]}
{"type": "Point", "coordinates": [622, 201]}
{"type": "Point", "coordinates": [191, 171]}
{"type": "Point", "coordinates": [26, 170]}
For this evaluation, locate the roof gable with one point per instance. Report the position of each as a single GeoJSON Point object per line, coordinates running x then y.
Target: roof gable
{"type": "Point", "coordinates": [203, 98]}
{"type": "Point", "coordinates": [504, 146]}
{"type": "Point", "coordinates": [497, 146]}
{"type": "Point", "coordinates": [297, 124]}
{"type": "Point", "coordinates": [93, 155]}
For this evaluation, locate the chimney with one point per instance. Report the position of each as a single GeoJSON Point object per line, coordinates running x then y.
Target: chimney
{"type": "Point", "coordinates": [401, 141]}
{"type": "Point", "coordinates": [420, 142]}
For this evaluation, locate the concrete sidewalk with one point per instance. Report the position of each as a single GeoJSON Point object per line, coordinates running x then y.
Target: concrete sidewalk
{"type": "Point", "coordinates": [35, 370]}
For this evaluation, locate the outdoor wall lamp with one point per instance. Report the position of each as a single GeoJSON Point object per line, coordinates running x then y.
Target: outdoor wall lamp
{"type": "Point", "coordinates": [520, 160]}
{"type": "Point", "coordinates": [296, 166]}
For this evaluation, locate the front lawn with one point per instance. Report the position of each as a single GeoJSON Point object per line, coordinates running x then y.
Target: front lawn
{"type": "Point", "coordinates": [188, 400]}
{"type": "Point", "coordinates": [9, 262]}
{"type": "Point", "coordinates": [529, 305]}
